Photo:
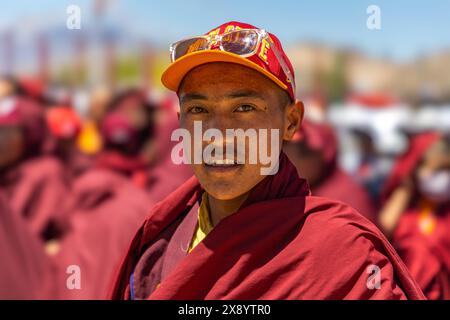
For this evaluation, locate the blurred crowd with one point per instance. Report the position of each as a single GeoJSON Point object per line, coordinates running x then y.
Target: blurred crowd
{"type": "Point", "coordinates": [74, 189]}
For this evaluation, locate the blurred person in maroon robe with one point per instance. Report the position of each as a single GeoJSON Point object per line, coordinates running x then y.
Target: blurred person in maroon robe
{"type": "Point", "coordinates": [64, 128]}
{"type": "Point", "coordinates": [25, 270]}
{"type": "Point", "coordinates": [90, 140]}
{"type": "Point", "coordinates": [416, 211]}
{"type": "Point", "coordinates": [373, 167]}
{"type": "Point", "coordinates": [30, 87]}
{"type": "Point", "coordinates": [167, 176]}
{"type": "Point", "coordinates": [8, 86]}
{"type": "Point", "coordinates": [108, 202]}
{"type": "Point", "coordinates": [314, 152]}
{"type": "Point", "coordinates": [234, 231]}
{"type": "Point", "coordinates": [35, 89]}
{"type": "Point", "coordinates": [34, 184]}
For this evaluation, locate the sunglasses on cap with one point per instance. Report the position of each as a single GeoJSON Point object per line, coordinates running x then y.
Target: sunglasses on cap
{"type": "Point", "coordinates": [243, 42]}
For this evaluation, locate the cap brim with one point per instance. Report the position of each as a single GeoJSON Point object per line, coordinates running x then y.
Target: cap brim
{"type": "Point", "coordinates": [177, 70]}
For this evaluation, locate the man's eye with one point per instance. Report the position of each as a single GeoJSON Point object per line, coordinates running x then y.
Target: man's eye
{"type": "Point", "coordinates": [197, 110]}
{"type": "Point", "coordinates": [245, 108]}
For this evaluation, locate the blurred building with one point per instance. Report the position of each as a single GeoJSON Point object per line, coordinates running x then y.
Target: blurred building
{"type": "Point", "coordinates": [337, 72]}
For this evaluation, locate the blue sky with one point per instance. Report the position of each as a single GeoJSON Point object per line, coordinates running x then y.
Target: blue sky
{"type": "Point", "coordinates": [409, 28]}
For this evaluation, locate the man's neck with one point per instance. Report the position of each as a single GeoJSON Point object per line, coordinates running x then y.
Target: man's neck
{"type": "Point", "coordinates": [220, 209]}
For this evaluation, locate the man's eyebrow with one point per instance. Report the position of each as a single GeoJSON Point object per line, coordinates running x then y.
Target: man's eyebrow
{"type": "Point", "coordinates": [246, 94]}
{"type": "Point", "coordinates": [233, 95]}
{"type": "Point", "coordinates": [192, 96]}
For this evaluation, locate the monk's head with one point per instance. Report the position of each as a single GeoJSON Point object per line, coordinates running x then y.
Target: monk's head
{"type": "Point", "coordinates": [236, 88]}
{"type": "Point", "coordinates": [313, 151]}
{"type": "Point", "coordinates": [22, 129]}
{"type": "Point", "coordinates": [310, 163]}
{"type": "Point", "coordinates": [433, 172]}
{"type": "Point", "coordinates": [231, 96]}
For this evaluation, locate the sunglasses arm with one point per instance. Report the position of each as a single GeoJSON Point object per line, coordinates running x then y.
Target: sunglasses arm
{"type": "Point", "coordinates": [282, 63]}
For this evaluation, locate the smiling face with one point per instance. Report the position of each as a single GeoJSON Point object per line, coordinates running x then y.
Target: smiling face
{"type": "Point", "coordinates": [229, 96]}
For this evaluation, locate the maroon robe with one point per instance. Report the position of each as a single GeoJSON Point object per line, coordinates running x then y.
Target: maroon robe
{"type": "Point", "coordinates": [426, 254]}
{"type": "Point", "coordinates": [282, 244]}
{"type": "Point", "coordinates": [105, 209]}
{"type": "Point", "coordinates": [36, 184]}
{"type": "Point", "coordinates": [340, 186]}
{"type": "Point", "coordinates": [25, 270]}
{"type": "Point", "coordinates": [35, 189]}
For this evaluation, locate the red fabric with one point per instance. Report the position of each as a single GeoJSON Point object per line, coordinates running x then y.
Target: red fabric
{"type": "Point", "coordinates": [25, 271]}
{"type": "Point", "coordinates": [374, 100]}
{"type": "Point", "coordinates": [117, 129]}
{"type": "Point", "coordinates": [321, 137]}
{"type": "Point", "coordinates": [134, 167]}
{"type": "Point", "coordinates": [25, 114]}
{"type": "Point", "coordinates": [336, 184]}
{"type": "Point", "coordinates": [340, 186]}
{"type": "Point", "coordinates": [33, 87]}
{"type": "Point", "coordinates": [105, 209]}
{"type": "Point", "coordinates": [406, 163]}
{"type": "Point", "coordinates": [166, 177]}
{"type": "Point", "coordinates": [427, 255]}
{"type": "Point", "coordinates": [63, 122]}
{"type": "Point", "coordinates": [35, 189]}
{"type": "Point", "coordinates": [282, 244]}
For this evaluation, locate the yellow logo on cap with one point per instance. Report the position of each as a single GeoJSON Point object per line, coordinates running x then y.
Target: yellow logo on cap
{"type": "Point", "coordinates": [265, 46]}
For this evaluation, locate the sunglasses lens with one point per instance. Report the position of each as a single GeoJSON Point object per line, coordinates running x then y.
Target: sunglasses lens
{"type": "Point", "coordinates": [240, 42]}
{"type": "Point", "coordinates": [190, 45]}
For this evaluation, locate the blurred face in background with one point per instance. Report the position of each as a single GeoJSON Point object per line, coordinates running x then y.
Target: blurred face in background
{"type": "Point", "coordinates": [310, 163]}
{"type": "Point", "coordinates": [142, 118]}
{"type": "Point", "coordinates": [135, 111]}
{"type": "Point", "coordinates": [11, 146]}
{"type": "Point", "coordinates": [131, 116]}
{"type": "Point", "coordinates": [7, 88]}
{"type": "Point", "coordinates": [100, 98]}
{"type": "Point", "coordinates": [433, 175]}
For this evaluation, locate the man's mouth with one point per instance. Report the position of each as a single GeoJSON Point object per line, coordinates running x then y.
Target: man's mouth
{"type": "Point", "coordinates": [222, 167]}
{"type": "Point", "coordinates": [221, 163]}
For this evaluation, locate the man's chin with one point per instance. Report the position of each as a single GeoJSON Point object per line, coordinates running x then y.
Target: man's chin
{"type": "Point", "coordinates": [225, 190]}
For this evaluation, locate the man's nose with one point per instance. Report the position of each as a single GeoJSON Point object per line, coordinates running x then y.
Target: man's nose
{"type": "Point", "coordinates": [220, 122]}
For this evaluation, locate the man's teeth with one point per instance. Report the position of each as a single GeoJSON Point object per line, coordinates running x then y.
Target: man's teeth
{"type": "Point", "coordinates": [224, 162]}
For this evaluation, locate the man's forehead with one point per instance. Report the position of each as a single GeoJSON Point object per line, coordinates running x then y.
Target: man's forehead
{"type": "Point", "coordinates": [222, 72]}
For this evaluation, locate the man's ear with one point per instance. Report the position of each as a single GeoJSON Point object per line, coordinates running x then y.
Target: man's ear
{"type": "Point", "coordinates": [294, 117]}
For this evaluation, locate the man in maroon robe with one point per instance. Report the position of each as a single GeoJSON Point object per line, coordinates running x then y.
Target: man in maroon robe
{"type": "Point", "coordinates": [33, 183]}
{"type": "Point", "coordinates": [416, 212]}
{"type": "Point", "coordinates": [314, 152]}
{"type": "Point", "coordinates": [235, 231]}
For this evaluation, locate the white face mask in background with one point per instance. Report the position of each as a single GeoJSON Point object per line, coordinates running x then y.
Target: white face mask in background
{"type": "Point", "coordinates": [435, 185]}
